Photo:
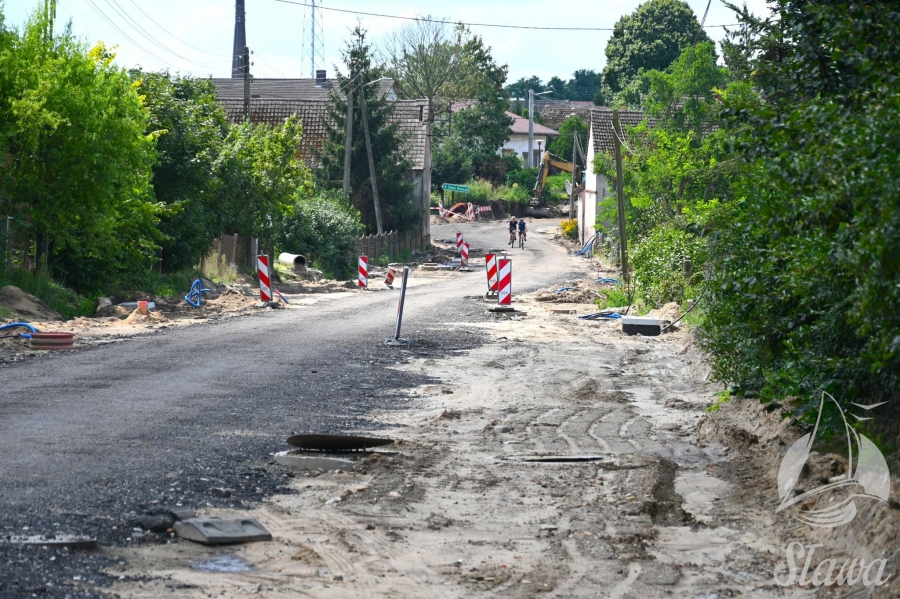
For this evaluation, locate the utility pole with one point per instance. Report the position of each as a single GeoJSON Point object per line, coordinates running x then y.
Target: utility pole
{"type": "Point", "coordinates": [530, 129]}
{"type": "Point", "coordinates": [348, 140]}
{"type": "Point", "coordinates": [574, 162]}
{"type": "Point", "coordinates": [246, 67]}
{"type": "Point", "coordinates": [620, 189]}
{"type": "Point", "coordinates": [365, 119]}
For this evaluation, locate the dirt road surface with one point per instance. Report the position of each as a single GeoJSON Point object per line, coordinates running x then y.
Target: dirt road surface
{"type": "Point", "coordinates": [537, 455]}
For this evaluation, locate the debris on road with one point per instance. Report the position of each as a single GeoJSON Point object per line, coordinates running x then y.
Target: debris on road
{"type": "Point", "coordinates": [221, 531]}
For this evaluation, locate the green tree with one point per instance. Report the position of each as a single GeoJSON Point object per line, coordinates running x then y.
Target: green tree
{"type": "Point", "coordinates": [391, 163]}
{"type": "Point", "coordinates": [562, 145]}
{"type": "Point", "coordinates": [78, 160]}
{"type": "Point", "coordinates": [806, 272]}
{"type": "Point", "coordinates": [584, 85]}
{"type": "Point", "coordinates": [260, 176]}
{"type": "Point", "coordinates": [191, 128]}
{"type": "Point", "coordinates": [520, 88]}
{"type": "Point", "coordinates": [651, 37]}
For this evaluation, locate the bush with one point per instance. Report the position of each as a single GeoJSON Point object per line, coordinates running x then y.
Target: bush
{"type": "Point", "coordinates": [480, 191]}
{"type": "Point", "coordinates": [324, 229]}
{"type": "Point", "coordinates": [658, 265]}
{"type": "Point", "coordinates": [524, 178]}
{"type": "Point", "coordinates": [514, 194]}
{"type": "Point", "coordinates": [570, 229]}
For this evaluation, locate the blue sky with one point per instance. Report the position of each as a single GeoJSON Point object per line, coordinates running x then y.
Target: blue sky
{"type": "Point", "coordinates": [195, 36]}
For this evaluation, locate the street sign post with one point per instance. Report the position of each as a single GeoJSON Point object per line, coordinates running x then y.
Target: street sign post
{"type": "Point", "coordinates": [452, 187]}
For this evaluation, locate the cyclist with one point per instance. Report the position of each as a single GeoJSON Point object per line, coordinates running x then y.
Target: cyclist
{"type": "Point", "coordinates": [512, 229]}
{"type": "Point", "coordinates": [523, 229]}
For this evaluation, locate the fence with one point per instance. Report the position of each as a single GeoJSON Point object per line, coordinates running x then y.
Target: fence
{"type": "Point", "coordinates": [16, 247]}
{"type": "Point", "coordinates": [230, 253]}
{"type": "Point", "coordinates": [391, 244]}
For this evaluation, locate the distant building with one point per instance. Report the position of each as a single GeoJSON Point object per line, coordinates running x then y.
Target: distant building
{"type": "Point", "coordinates": [272, 101]}
{"type": "Point", "coordinates": [518, 139]}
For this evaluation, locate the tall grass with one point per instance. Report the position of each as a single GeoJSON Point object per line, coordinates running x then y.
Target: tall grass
{"type": "Point", "coordinates": [57, 296]}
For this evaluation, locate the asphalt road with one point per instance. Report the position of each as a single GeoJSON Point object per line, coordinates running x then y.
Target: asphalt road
{"type": "Point", "coordinates": [92, 440]}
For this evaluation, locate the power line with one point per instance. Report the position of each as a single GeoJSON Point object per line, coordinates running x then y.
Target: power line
{"type": "Point", "coordinates": [172, 35]}
{"type": "Point", "coordinates": [137, 27]}
{"type": "Point", "coordinates": [427, 20]}
{"type": "Point", "coordinates": [126, 36]}
{"type": "Point", "coordinates": [259, 58]}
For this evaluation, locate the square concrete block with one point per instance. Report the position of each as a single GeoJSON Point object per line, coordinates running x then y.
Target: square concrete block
{"type": "Point", "coordinates": [221, 531]}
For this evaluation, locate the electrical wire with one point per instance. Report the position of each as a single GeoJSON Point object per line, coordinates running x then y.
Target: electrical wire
{"type": "Point", "coordinates": [427, 20]}
{"type": "Point", "coordinates": [173, 36]}
{"type": "Point", "coordinates": [259, 58]}
{"type": "Point", "coordinates": [126, 36]}
{"type": "Point", "coordinates": [137, 27]}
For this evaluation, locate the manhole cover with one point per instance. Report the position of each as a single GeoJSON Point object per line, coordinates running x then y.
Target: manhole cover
{"type": "Point", "coordinates": [317, 442]}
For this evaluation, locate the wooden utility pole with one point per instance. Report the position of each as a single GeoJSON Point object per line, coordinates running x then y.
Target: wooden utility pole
{"type": "Point", "coordinates": [365, 119]}
{"type": "Point", "coordinates": [620, 189]}
{"type": "Point", "coordinates": [572, 195]}
{"type": "Point", "coordinates": [348, 141]}
{"type": "Point", "coordinates": [246, 67]}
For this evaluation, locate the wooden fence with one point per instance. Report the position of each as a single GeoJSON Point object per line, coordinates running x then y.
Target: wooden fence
{"type": "Point", "coordinates": [230, 252]}
{"type": "Point", "coordinates": [391, 244]}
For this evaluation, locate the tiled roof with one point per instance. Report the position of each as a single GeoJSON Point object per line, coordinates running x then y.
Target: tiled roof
{"type": "Point", "coordinates": [602, 126]}
{"type": "Point", "coordinates": [554, 114]}
{"type": "Point", "coordinates": [520, 126]}
{"type": "Point", "coordinates": [288, 89]}
{"type": "Point", "coordinates": [315, 115]}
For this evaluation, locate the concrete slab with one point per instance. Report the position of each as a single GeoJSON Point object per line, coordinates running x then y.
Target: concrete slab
{"type": "Point", "coordinates": [313, 462]}
{"type": "Point", "coordinates": [222, 531]}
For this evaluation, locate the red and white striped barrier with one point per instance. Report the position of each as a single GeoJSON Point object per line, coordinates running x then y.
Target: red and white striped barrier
{"type": "Point", "coordinates": [441, 210]}
{"type": "Point", "coordinates": [459, 241]}
{"type": "Point", "coordinates": [464, 255]}
{"type": "Point", "coordinates": [265, 284]}
{"type": "Point", "coordinates": [470, 212]}
{"type": "Point", "coordinates": [363, 272]}
{"type": "Point", "coordinates": [490, 265]}
{"type": "Point", "coordinates": [504, 298]}
{"type": "Point", "coordinates": [389, 277]}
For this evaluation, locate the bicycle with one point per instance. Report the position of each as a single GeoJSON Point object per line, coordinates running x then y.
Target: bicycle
{"type": "Point", "coordinates": [522, 240]}
{"type": "Point", "coordinates": [512, 238]}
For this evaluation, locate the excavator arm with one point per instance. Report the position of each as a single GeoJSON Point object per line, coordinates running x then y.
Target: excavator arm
{"type": "Point", "coordinates": [547, 160]}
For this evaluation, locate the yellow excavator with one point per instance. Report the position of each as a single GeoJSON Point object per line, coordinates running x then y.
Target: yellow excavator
{"type": "Point", "coordinates": [549, 160]}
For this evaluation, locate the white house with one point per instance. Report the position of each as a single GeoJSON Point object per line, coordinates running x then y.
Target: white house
{"type": "Point", "coordinates": [518, 139]}
{"type": "Point", "coordinates": [596, 187]}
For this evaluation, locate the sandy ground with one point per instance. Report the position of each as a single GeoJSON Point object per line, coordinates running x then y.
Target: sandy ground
{"type": "Point", "coordinates": [456, 510]}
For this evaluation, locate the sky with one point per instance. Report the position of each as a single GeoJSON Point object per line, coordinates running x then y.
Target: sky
{"type": "Point", "coordinates": [195, 36]}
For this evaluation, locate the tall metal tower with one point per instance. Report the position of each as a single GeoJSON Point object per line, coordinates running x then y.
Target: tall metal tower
{"type": "Point", "coordinates": [240, 40]}
{"type": "Point", "coordinates": [312, 47]}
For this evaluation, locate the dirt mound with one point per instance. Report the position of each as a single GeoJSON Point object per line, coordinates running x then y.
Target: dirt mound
{"type": "Point", "coordinates": [571, 292]}
{"type": "Point", "coordinates": [26, 306]}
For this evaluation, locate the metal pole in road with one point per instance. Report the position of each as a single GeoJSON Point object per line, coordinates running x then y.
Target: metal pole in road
{"type": "Point", "coordinates": [400, 305]}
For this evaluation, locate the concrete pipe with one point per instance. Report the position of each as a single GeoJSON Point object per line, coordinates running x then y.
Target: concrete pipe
{"type": "Point", "coordinates": [296, 261]}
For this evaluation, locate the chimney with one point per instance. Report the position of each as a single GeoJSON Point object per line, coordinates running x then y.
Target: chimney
{"type": "Point", "coordinates": [240, 40]}
{"type": "Point", "coordinates": [320, 78]}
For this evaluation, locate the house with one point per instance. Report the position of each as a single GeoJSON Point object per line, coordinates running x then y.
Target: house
{"type": "Point", "coordinates": [518, 139]}
{"type": "Point", "coordinates": [596, 187]}
{"type": "Point", "coordinates": [272, 101]}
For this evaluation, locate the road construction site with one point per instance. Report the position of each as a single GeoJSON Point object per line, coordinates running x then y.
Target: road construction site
{"type": "Point", "coordinates": [535, 453]}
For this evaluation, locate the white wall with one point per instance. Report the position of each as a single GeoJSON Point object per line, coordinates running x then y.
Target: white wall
{"type": "Point", "coordinates": [519, 143]}
{"type": "Point", "coordinates": [595, 190]}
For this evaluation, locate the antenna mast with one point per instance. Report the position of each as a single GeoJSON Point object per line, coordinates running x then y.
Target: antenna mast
{"type": "Point", "coordinates": [313, 43]}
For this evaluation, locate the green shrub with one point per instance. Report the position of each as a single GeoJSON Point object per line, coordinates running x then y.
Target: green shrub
{"type": "Point", "coordinates": [514, 194]}
{"type": "Point", "coordinates": [525, 178]}
{"type": "Point", "coordinates": [658, 265]}
{"type": "Point", "coordinates": [324, 229]}
{"type": "Point", "coordinates": [480, 191]}
{"type": "Point", "coordinates": [50, 291]}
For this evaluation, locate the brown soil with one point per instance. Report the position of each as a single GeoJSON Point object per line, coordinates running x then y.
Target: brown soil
{"type": "Point", "coordinates": [25, 306]}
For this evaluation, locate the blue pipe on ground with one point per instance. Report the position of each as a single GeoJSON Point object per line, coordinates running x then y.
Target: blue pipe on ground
{"type": "Point", "coordinates": [195, 295]}
{"type": "Point", "coordinates": [20, 324]}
